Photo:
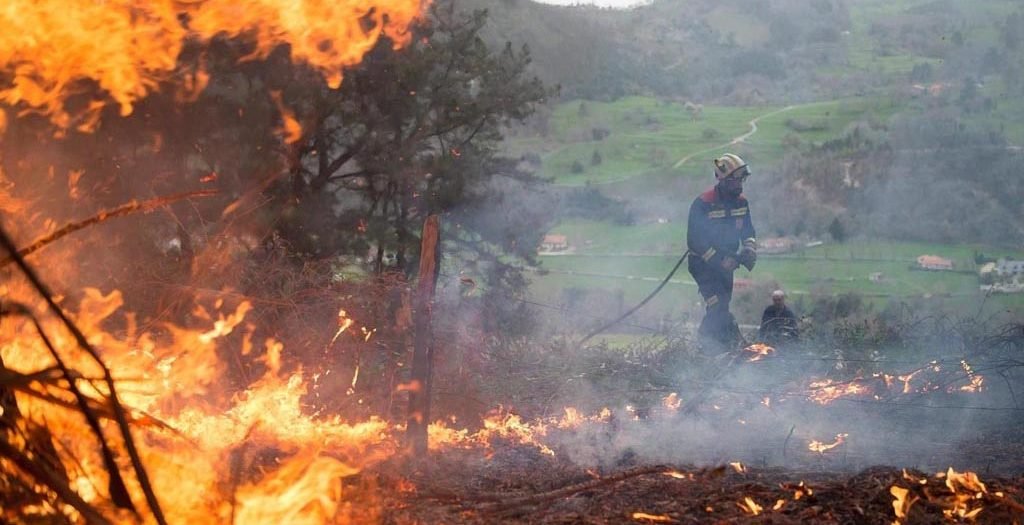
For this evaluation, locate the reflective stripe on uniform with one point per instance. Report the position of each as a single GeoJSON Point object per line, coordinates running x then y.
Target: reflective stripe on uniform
{"type": "Point", "coordinates": [750, 242]}
{"type": "Point", "coordinates": [708, 254]}
{"type": "Point", "coordinates": [717, 214]}
{"type": "Point", "coordinates": [739, 212]}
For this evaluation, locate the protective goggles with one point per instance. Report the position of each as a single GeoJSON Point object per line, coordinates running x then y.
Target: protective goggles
{"type": "Point", "coordinates": [739, 174]}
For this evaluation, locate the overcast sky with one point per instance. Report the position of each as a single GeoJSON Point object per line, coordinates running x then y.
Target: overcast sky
{"type": "Point", "coordinates": [602, 3]}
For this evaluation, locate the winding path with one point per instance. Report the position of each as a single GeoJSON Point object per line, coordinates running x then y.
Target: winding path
{"type": "Point", "coordinates": [736, 140]}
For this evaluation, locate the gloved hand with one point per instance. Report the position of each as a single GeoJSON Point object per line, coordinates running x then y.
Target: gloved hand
{"type": "Point", "coordinates": [729, 264]}
{"type": "Point", "coordinates": [747, 256]}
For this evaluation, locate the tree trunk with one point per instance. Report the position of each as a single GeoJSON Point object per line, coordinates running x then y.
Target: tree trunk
{"type": "Point", "coordinates": [423, 352]}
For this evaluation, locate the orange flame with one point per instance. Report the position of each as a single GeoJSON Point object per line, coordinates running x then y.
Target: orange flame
{"type": "Point", "coordinates": [750, 506]}
{"type": "Point", "coordinates": [174, 380]}
{"type": "Point", "coordinates": [510, 427]}
{"type": "Point", "coordinates": [826, 391]}
{"type": "Point", "coordinates": [759, 351]}
{"type": "Point", "coordinates": [821, 448]}
{"type": "Point", "coordinates": [129, 47]}
{"type": "Point", "coordinates": [968, 491]}
{"type": "Point", "coordinates": [965, 500]}
{"type": "Point", "coordinates": [653, 518]}
{"type": "Point", "coordinates": [901, 503]}
{"type": "Point", "coordinates": [976, 380]}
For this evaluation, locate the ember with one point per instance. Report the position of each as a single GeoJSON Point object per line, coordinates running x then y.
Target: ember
{"type": "Point", "coordinates": [750, 506]}
{"type": "Point", "coordinates": [652, 518]}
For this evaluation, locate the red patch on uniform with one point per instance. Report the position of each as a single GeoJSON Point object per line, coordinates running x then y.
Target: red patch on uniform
{"type": "Point", "coordinates": [709, 196]}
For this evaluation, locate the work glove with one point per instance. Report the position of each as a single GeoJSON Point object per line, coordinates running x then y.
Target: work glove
{"type": "Point", "coordinates": [729, 264]}
{"type": "Point", "coordinates": [747, 256]}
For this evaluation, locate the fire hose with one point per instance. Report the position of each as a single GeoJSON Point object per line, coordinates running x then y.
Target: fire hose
{"type": "Point", "coordinates": [640, 304]}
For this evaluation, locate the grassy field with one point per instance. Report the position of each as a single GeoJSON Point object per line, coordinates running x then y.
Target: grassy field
{"type": "Point", "coordinates": [801, 275]}
{"type": "Point", "coordinates": [649, 136]}
{"type": "Point", "coordinates": [645, 134]}
{"type": "Point", "coordinates": [865, 54]}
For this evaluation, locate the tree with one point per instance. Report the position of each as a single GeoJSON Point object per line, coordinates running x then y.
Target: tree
{"type": "Point", "coordinates": [922, 73]}
{"type": "Point", "coordinates": [1012, 34]}
{"type": "Point", "coordinates": [411, 132]}
{"type": "Point", "coordinates": [837, 231]}
{"type": "Point", "coordinates": [968, 93]}
{"type": "Point", "coordinates": [595, 159]}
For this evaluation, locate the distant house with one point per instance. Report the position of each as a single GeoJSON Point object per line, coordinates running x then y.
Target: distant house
{"type": "Point", "coordinates": [554, 243]}
{"type": "Point", "coordinates": [934, 262]}
{"type": "Point", "coordinates": [876, 277]}
{"type": "Point", "coordinates": [1009, 267]}
{"type": "Point", "coordinates": [934, 89]}
{"type": "Point", "coordinates": [1002, 276]}
{"type": "Point", "coordinates": [777, 244]}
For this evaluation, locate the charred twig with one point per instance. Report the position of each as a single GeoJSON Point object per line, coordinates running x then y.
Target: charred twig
{"type": "Point", "coordinates": [786, 442]}
{"type": "Point", "coordinates": [1009, 503]}
{"type": "Point", "coordinates": [120, 211]}
{"type": "Point", "coordinates": [570, 490]}
{"type": "Point", "coordinates": [120, 415]}
{"type": "Point", "coordinates": [1009, 386]}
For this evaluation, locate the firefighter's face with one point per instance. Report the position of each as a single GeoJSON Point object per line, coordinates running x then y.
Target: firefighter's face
{"type": "Point", "coordinates": [733, 184]}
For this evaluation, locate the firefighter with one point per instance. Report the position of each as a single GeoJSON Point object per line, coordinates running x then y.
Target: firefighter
{"type": "Point", "coordinates": [720, 237]}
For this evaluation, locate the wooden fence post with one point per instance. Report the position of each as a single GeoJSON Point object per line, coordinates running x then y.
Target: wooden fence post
{"type": "Point", "coordinates": [423, 351]}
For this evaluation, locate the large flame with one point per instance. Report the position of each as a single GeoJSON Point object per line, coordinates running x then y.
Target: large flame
{"type": "Point", "coordinates": [127, 48]}
{"type": "Point", "coordinates": [172, 381]}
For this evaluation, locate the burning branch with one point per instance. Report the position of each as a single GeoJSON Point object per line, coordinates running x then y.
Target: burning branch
{"type": "Point", "coordinates": [125, 209]}
{"type": "Point", "coordinates": [119, 492]}
{"type": "Point", "coordinates": [821, 448]}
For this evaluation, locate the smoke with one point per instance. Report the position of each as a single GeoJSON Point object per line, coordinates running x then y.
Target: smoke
{"type": "Point", "coordinates": [758, 414]}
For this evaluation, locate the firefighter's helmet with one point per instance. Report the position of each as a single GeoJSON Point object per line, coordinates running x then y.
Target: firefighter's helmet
{"type": "Point", "coordinates": [728, 164]}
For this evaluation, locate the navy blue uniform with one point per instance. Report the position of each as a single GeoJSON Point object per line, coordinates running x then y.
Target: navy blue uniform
{"type": "Point", "coordinates": [718, 227]}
